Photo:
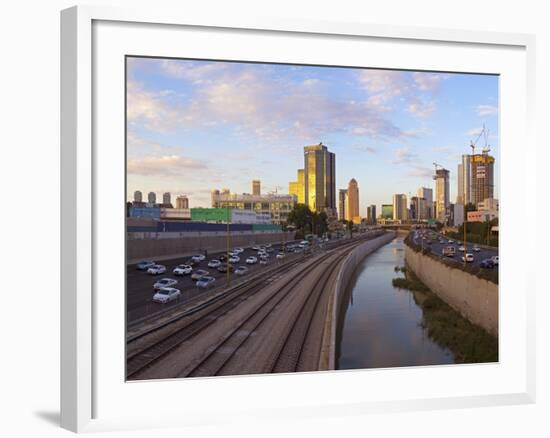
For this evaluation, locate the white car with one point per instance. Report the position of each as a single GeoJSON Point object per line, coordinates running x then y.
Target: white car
{"type": "Point", "coordinates": [156, 270]}
{"type": "Point", "coordinates": [182, 270]}
{"type": "Point", "coordinates": [238, 250]}
{"type": "Point", "coordinates": [205, 282]}
{"type": "Point", "coordinates": [263, 261]}
{"type": "Point", "coordinates": [198, 274]}
{"type": "Point", "coordinates": [234, 259]}
{"type": "Point", "coordinates": [468, 256]}
{"type": "Point", "coordinates": [198, 257]}
{"type": "Point", "coordinates": [241, 270]}
{"type": "Point", "coordinates": [255, 248]}
{"type": "Point", "coordinates": [495, 260]}
{"type": "Point", "coordinates": [251, 260]}
{"type": "Point", "coordinates": [166, 294]}
{"type": "Point", "coordinates": [450, 241]}
{"type": "Point", "coordinates": [476, 248]}
{"type": "Point", "coordinates": [164, 282]}
{"type": "Point", "coordinates": [214, 264]}
{"type": "Point", "coordinates": [461, 248]}
{"type": "Point", "coordinates": [281, 255]}
{"type": "Point", "coordinates": [264, 256]}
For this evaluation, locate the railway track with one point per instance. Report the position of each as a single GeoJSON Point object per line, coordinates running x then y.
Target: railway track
{"type": "Point", "coordinates": [161, 341]}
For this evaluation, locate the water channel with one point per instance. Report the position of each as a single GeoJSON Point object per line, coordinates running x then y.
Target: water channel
{"type": "Point", "coordinates": [382, 326]}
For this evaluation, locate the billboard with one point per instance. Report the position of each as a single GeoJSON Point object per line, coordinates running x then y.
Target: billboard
{"type": "Point", "coordinates": [148, 212]}
{"type": "Point", "coordinates": [211, 214]}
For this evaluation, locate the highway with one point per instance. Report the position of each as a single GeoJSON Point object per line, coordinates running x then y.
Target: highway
{"type": "Point", "coordinates": [437, 248]}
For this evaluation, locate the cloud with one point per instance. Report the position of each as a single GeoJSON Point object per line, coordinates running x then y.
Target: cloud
{"type": "Point", "coordinates": [365, 148]}
{"type": "Point", "coordinates": [487, 110]}
{"type": "Point", "coordinates": [420, 108]}
{"type": "Point", "coordinates": [425, 81]}
{"type": "Point", "coordinates": [474, 132]}
{"type": "Point", "coordinates": [420, 172]}
{"type": "Point", "coordinates": [403, 155]}
{"type": "Point", "coordinates": [167, 165]}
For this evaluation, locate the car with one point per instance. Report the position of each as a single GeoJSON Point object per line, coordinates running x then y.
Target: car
{"type": "Point", "coordinates": [468, 257]}
{"type": "Point", "coordinates": [269, 249]}
{"type": "Point", "coordinates": [164, 282]}
{"type": "Point", "coordinates": [255, 248]}
{"type": "Point", "coordinates": [192, 262]}
{"type": "Point", "coordinates": [182, 270]}
{"type": "Point", "coordinates": [156, 270]}
{"type": "Point", "coordinates": [223, 258]}
{"type": "Point", "coordinates": [198, 257]}
{"type": "Point", "coordinates": [280, 256]}
{"type": "Point", "coordinates": [268, 245]}
{"type": "Point", "coordinates": [487, 264]}
{"type": "Point", "coordinates": [238, 250]}
{"type": "Point", "coordinates": [441, 241]}
{"type": "Point", "coordinates": [145, 264]}
{"type": "Point", "coordinates": [224, 267]}
{"type": "Point", "coordinates": [476, 248]}
{"type": "Point", "coordinates": [198, 274]}
{"type": "Point", "coordinates": [166, 294]}
{"type": "Point", "coordinates": [205, 282]}
{"type": "Point", "coordinates": [251, 260]}
{"type": "Point", "coordinates": [263, 261]}
{"type": "Point", "coordinates": [304, 242]}
{"type": "Point", "coordinates": [495, 259]}
{"type": "Point", "coordinates": [234, 259]}
{"type": "Point", "coordinates": [461, 248]}
{"type": "Point", "coordinates": [214, 263]}
{"type": "Point", "coordinates": [449, 251]}
{"type": "Point", "coordinates": [450, 241]}
{"type": "Point", "coordinates": [241, 270]}
{"type": "Point", "coordinates": [264, 257]}
{"type": "Point", "coordinates": [233, 254]}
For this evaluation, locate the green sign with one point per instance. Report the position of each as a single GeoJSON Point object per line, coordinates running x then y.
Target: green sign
{"type": "Point", "coordinates": [211, 214]}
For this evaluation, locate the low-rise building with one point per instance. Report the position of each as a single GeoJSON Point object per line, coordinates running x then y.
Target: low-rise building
{"type": "Point", "coordinates": [482, 215]}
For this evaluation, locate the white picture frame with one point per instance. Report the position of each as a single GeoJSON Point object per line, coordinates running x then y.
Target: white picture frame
{"type": "Point", "coordinates": [83, 370]}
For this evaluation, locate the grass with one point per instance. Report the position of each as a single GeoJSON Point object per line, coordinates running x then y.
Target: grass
{"type": "Point", "coordinates": [446, 327]}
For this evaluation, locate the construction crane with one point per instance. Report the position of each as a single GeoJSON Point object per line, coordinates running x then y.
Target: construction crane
{"type": "Point", "coordinates": [485, 133]}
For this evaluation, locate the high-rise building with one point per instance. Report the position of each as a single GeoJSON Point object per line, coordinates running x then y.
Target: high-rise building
{"type": "Point", "coordinates": [387, 211]}
{"type": "Point", "coordinates": [297, 188]}
{"type": "Point", "coordinates": [464, 179]}
{"type": "Point", "coordinates": [182, 202]}
{"type": "Point", "coordinates": [352, 207]}
{"type": "Point", "coordinates": [152, 198]}
{"type": "Point", "coordinates": [320, 179]}
{"type": "Point", "coordinates": [342, 201]}
{"type": "Point", "coordinates": [441, 178]}
{"type": "Point", "coordinates": [371, 214]}
{"type": "Point", "coordinates": [138, 196]}
{"type": "Point", "coordinates": [418, 209]}
{"type": "Point", "coordinates": [482, 177]}
{"type": "Point", "coordinates": [427, 195]}
{"type": "Point", "coordinates": [256, 187]}
{"type": "Point", "coordinates": [167, 199]}
{"type": "Point", "coordinates": [400, 212]}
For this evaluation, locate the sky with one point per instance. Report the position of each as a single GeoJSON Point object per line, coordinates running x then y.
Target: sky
{"type": "Point", "coordinates": [194, 126]}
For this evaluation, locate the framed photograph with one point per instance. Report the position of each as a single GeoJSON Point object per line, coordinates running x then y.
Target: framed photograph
{"type": "Point", "coordinates": [291, 217]}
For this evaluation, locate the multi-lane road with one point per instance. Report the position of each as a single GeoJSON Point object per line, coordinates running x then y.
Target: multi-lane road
{"type": "Point", "coordinates": [437, 246]}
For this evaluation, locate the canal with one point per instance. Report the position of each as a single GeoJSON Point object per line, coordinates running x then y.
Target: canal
{"type": "Point", "coordinates": [383, 325]}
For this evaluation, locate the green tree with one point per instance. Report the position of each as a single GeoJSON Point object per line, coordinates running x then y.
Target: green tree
{"type": "Point", "coordinates": [301, 217]}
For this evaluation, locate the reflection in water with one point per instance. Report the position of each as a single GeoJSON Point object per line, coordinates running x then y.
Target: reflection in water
{"type": "Point", "coordinates": [382, 326]}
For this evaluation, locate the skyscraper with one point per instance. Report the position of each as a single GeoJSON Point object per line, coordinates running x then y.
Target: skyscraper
{"type": "Point", "coordinates": [152, 198]}
{"type": "Point", "coordinates": [427, 194]}
{"type": "Point", "coordinates": [441, 178]}
{"type": "Point", "coordinates": [400, 207]}
{"type": "Point", "coordinates": [320, 179]}
{"type": "Point", "coordinates": [138, 196]}
{"type": "Point", "coordinates": [482, 177]}
{"type": "Point", "coordinates": [256, 187]}
{"type": "Point", "coordinates": [371, 214]}
{"type": "Point", "coordinates": [166, 199]}
{"type": "Point", "coordinates": [342, 201]}
{"type": "Point", "coordinates": [182, 202]}
{"type": "Point", "coordinates": [464, 179]}
{"type": "Point", "coordinates": [297, 188]}
{"type": "Point", "coordinates": [352, 207]}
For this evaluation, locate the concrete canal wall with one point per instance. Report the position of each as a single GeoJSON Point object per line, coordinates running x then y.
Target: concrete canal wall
{"type": "Point", "coordinates": [474, 298]}
{"type": "Point", "coordinates": [160, 247]}
{"type": "Point", "coordinates": [334, 312]}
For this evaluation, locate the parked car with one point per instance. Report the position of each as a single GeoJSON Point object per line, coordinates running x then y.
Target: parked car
{"type": "Point", "coordinates": [156, 270]}
{"type": "Point", "coordinates": [182, 270]}
{"type": "Point", "coordinates": [164, 282]}
{"type": "Point", "coordinates": [198, 257]}
{"type": "Point", "coordinates": [487, 264]}
{"type": "Point", "coordinates": [198, 274]}
{"type": "Point", "coordinates": [241, 270]}
{"type": "Point", "coordinates": [251, 260]}
{"type": "Point", "coordinates": [214, 263]}
{"type": "Point", "coordinates": [205, 282]}
{"type": "Point", "coordinates": [145, 264]}
{"type": "Point", "coordinates": [469, 257]}
{"type": "Point", "coordinates": [495, 260]}
{"type": "Point", "coordinates": [224, 267]}
{"type": "Point", "coordinates": [166, 294]}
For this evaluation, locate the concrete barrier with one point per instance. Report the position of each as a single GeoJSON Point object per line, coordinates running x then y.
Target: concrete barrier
{"type": "Point", "coordinates": [476, 299]}
{"type": "Point", "coordinates": [159, 248]}
{"type": "Point", "coordinates": [327, 360]}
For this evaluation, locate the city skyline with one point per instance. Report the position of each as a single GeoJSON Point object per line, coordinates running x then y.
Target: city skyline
{"type": "Point", "coordinates": [198, 125]}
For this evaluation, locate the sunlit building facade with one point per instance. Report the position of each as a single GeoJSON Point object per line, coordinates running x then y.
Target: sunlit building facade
{"type": "Point", "coordinates": [342, 201]}
{"type": "Point", "coordinates": [352, 207]}
{"type": "Point", "coordinates": [482, 178]}
{"type": "Point", "coordinates": [400, 210]}
{"type": "Point", "coordinates": [442, 201]}
{"type": "Point", "coordinates": [297, 188]}
{"type": "Point", "coordinates": [320, 179]}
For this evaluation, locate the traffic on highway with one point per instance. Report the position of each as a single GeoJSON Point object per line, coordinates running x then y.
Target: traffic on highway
{"type": "Point", "coordinates": [455, 250]}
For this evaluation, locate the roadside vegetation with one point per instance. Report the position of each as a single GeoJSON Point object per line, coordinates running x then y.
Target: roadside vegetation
{"type": "Point", "coordinates": [446, 327]}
